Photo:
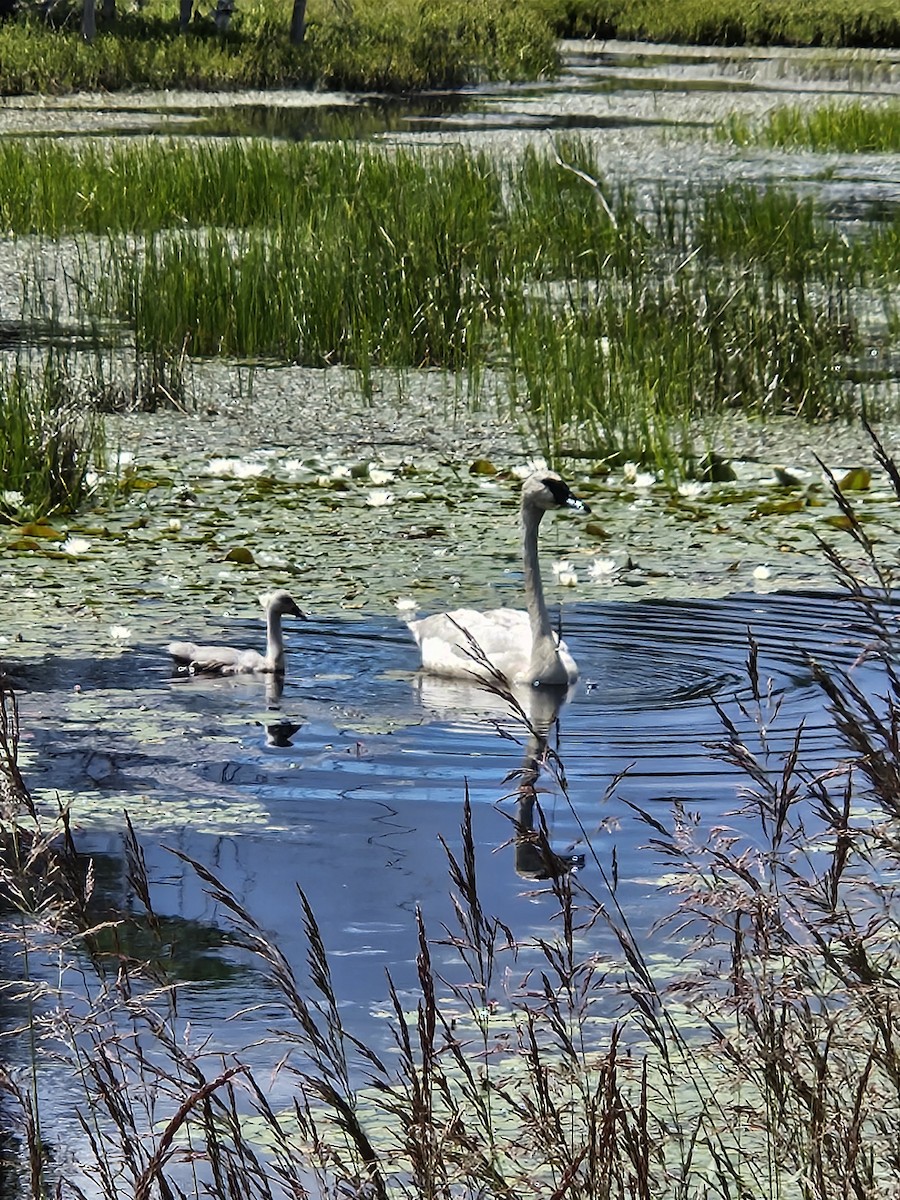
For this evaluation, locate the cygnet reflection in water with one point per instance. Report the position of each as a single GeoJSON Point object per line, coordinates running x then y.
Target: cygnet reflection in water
{"type": "Point", "coordinates": [280, 735]}
{"type": "Point", "coordinates": [505, 643]}
{"type": "Point", "coordinates": [227, 660]}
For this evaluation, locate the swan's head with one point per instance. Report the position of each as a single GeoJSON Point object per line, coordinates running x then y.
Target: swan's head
{"type": "Point", "coordinates": [547, 490]}
{"type": "Point", "coordinates": [282, 602]}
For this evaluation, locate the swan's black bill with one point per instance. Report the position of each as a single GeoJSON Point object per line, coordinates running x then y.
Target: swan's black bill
{"type": "Point", "coordinates": [563, 494]}
{"type": "Point", "coordinates": [578, 505]}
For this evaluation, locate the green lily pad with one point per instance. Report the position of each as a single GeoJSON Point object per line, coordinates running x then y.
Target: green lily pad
{"type": "Point", "coordinates": [857, 479]}
{"type": "Point", "coordinates": [768, 507]}
{"type": "Point", "coordinates": [596, 530]}
{"type": "Point", "coordinates": [37, 529]}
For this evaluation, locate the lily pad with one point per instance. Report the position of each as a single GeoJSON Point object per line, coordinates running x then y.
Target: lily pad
{"type": "Point", "coordinates": [768, 507]}
{"type": "Point", "coordinates": [482, 466]}
{"type": "Point", "coordinates": [857, 479]}
{"type": "Point", "coordinates": [37, 529]}
{"type": "Point", "coordinates": [240, 554]}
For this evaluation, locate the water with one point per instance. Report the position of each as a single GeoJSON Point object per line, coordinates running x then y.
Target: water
{"type": "Point", "coordinates": [344, 784]}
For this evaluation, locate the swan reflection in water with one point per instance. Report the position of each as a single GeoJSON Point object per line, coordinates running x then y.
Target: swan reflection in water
{"type": "Point", "coordinates": [534, 711]}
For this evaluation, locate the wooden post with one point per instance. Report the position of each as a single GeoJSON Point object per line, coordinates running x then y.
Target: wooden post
{"type": "Point", "coordinates": [298, 22]}
{"type": "Point", "coordinates": [89, 20]}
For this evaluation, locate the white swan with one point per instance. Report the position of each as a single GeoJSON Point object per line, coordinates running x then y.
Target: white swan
{"type": "Point", "coordinates": [519, 647]}
{"type": "Point", "coordinates": [225, 660]}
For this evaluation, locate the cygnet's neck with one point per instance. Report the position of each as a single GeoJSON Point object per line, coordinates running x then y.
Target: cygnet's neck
{"type": "Point", "coordinates": [546, 666]}
{"type": "Point", "coordinates": [274, 640]}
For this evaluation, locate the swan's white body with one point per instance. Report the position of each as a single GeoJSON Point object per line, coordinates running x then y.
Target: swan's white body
{"type": "Point", "coordinates": [517, 647]}
{"type": "Point", "coordinates": [226, 660]}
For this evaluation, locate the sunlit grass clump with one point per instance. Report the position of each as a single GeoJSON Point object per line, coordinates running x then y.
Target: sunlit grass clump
{"type": "Point", "coordinates": [48, 441]}
{"type": "Point", "coordinates": [844, 128]}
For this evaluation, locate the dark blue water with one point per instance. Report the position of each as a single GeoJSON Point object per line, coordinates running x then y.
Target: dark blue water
{"type": "Point", "coordinates": [345, 785]}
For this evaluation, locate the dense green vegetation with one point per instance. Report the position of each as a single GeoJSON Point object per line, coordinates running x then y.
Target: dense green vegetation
{"type": "Point", "coordinates": [729, 22]}
{"type": "Point", "coordinates": [632, 324]}
{"type": "Point", "coordinates": [396, 45]}
{"type": "Point", "coordinates": [845, 128]}
{"type": "Point", "coordinates": [369, 46]}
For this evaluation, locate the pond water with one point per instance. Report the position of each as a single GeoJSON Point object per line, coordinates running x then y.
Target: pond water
{"type": "Point", "coordinates": [345, 782]}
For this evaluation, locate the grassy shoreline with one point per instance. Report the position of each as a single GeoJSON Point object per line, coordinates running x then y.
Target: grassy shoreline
{"type": "Point", "coordinates": [832, 23]}
{"type": "Point", "coordinates": [400, 46]}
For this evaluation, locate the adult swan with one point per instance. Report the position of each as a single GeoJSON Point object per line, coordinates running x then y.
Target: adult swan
{"type": "Point", "coordinates": [519, 647]}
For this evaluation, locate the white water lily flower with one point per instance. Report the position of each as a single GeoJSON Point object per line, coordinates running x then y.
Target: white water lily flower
{"type": "Point", "coordinates": [119, 633]}
{"type": "Point", "coordinates": [341, 473]}
{"type": "Point", "coordinates": [405, 604]}
{"type": "Point", "coordinates": [602, 569]}
{"type": "Point", "coordinates": [379, 476]}
{"type": "Point", "coordinates": [379, 497]}
{"type": "Point", "coordinates": [762, 572]}
{"type": "Point", "coordinates": [691, 488]}
{"type": "Point", "coordinates": [629, 472]}
{"type": "Point", "coordinates": [271, 559]}
{"type": "Point", "coordinates": [174, 525]}
{"type": "Point", "coordinates": [565, 573]}
{"type": "Point", "coordinates": [531, 466]}
{"type": "Point", "coordinates": [75, 546]}
{"type": "Point", "coordinates": [644, 479]}
{"type": "Point", "coordinates": [12, 499]}
{"type": "Point", "coordinates": [238, 468]}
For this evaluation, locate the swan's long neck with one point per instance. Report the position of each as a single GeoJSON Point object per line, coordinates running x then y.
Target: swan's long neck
{"type": "Point", "coordinates": [545, 662]}
{"type": "Point", "coordinates": [274, 640]}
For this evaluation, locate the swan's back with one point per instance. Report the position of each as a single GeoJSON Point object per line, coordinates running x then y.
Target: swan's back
{"type": "Point", "coordinates": [219, 660]}
{"type": "Point", "coordinates": [460, 644]}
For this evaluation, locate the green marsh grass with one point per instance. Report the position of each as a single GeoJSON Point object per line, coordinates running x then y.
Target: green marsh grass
{"type": "Point", "coordinates": [710, 299]}
{"type": "Point", "coordinates": [757, 1057]}
{"type": "Point", "coordinates": [729, 23]}
{"type": "Point", "coordinates": [48, 440]}
{"type": "Point", "coordinates": [853, 128]}
{"type": "Point", "coordinates": [395, 267]}
{"type": "Point", "coordinates": [371, 46]}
